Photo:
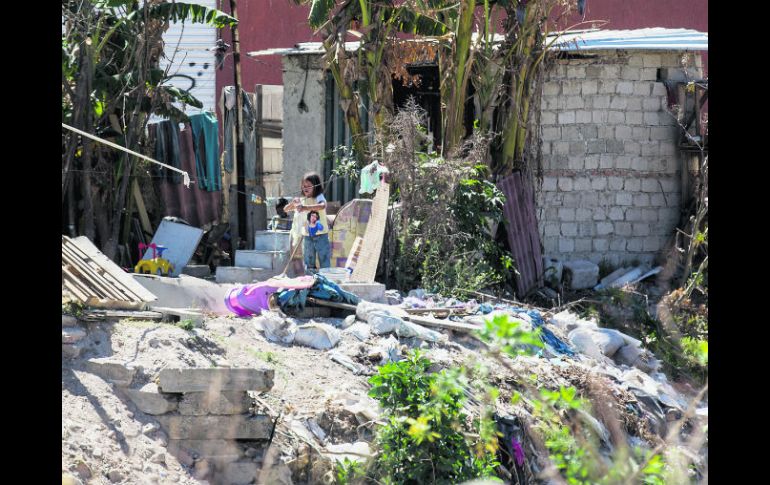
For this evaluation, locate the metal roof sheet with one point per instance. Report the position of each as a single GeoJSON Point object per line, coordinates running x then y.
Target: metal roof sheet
{"type": "Point", "coordinates": [657, 38]}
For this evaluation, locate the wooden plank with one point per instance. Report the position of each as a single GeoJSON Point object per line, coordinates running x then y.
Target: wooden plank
{"type": "Point", "coordinates": [88, 276]}
{"type": "Point", "coordinates": [72, 287]}
{"type": "Point", "coordinates": [125, 279]}
{"type": "Point", "coordinates": [443, 324]}
{"type": "Point", "coordinates": [366, 267]}
{"type": "Point", "coordinates": [140, 208]}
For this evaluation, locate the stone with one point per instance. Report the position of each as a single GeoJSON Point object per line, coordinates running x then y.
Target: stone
{"type": "Point", "coordinates": [216, 427]}
{"type": "Point", "coordinates": [224, 402]}
{"type": "Point", "coordinates": [584, 341]}
{"type": "Point", "coordinates": [202, 469]}
{"type": "Point", "coordinates": [150, 400]}
{"type": "Point", "coordinates": [216, 379]}
{"type": "Point", "coordinates": [609, 340]}
{"type": "Point", "coordinates": [115, 476]}
{"type": "Point", "coordinates": [68, 321]}
{"type": "Point", "coordinates": [158, 458]}
{"type": "Point", "coordinates": [71, 335]}
{"type": "Point", "coordinates": [240, 472]}
{"type": "Point", "coordinates": [70, 351]}
{"type": "Point", "coordinates": [112, 370]}
{"type": "Point", "coordinates": [70, 479]}
{"type": "Point", "coordinates": [584, 274]}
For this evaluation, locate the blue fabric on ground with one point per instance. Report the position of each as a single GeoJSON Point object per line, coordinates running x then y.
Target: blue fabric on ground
{"type": "Point", "coordinates": [322, 288]}
{"type": "Point", "coordinates": [547, 336]}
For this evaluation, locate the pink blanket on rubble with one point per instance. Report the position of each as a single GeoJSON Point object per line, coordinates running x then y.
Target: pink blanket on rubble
{"type": "Point", "coordinates": [252, 299]}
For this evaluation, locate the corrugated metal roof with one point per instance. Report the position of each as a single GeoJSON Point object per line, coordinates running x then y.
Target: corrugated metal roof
{"type": "Point", "coordinates": [647, 39]}
{"type": "Point", "coordinates": [639, 39]}
{"type": "Point", "coordinates": [191, 57]}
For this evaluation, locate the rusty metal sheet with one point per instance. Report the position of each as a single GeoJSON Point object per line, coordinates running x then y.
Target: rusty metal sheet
{"type": "Point", "coordinates": [523, 235]}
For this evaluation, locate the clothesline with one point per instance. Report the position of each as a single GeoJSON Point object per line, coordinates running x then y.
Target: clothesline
{"type": "Point", "coordinates": [185, 175]}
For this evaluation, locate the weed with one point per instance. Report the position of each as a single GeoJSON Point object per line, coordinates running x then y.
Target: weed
{"type": "Point", "coordinates": [605, 268]}
{"type": "Point", "coordinates": [187, 324]}
{"type": "Point", "coordinates": [268, 356]}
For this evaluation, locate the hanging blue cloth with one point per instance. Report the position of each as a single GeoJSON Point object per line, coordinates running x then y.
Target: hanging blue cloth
{"type": "Point", "coordinates": [322, 288]}
{"type": "Point", "coordinates": [206, 142]}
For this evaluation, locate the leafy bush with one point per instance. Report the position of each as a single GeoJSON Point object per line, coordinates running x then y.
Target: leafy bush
{"type": "Point", "coordinates": [427, 438]}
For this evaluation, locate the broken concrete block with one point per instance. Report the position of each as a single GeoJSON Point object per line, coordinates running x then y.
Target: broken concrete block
{"type": "Point", "coordinates": [112, 370]}
{"type": "Point", "coordinates": [374, 292]}
{"type": "Point", "coordinates": [197, 270]}
{"type": "Point", "coordinates": [317, 335]}
{"type": "Point", "coordinates": [225, 402]}
{"type": "Point", "coordinates": [240, 472]}
{"type": "Point", "coordinates": [233, 274]}
{"type": "Point", "coordinates": [70, 335]}
{"type": "Point", "coordinates": [584, 274]}
{"type": "Point", "coordinates": [584, 341]}
{"type": "Point", "coordinates": [68, 321]}
{"type": "Point", "coordinates": [217, 379]}
{"type": "Point", "coordinates": [220, 451]}
{"type": "Point", "coordinates": [608, 340]}
{"type": "Point", "coordinates": [235, 427]}
{"type": "Point", "coordinates": [150, 400]}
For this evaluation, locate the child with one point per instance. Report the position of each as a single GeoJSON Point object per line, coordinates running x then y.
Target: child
{"type": "Point", "coordinates": [315, 244]}
{"type": "Point", "coordinates": [313, 225]}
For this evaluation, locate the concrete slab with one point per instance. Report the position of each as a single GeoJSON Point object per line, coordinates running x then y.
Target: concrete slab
{"type": "Point", "coordinates": [239, 427]}
{"type": "Point", "coordinates": [225, 402]}
{"type": "Point", "coordinates": [180, 240]}
{"type": "Point", "coordinates": [150, 400]}
{"type": "Point", "coordinates": [244, 276]}
{"type": "Point", "coordinates": [374, 292]}
{"type": "Point", "coordinates": [260, 259]}
{"type": "Point", "coordinates": [186, 292]}
{"type": "Point", "coordinates": [111, 370]}
{"type": "Point", "coordinates": [215, 380]}
{"type": "Point", "coordinates": [272, 240]}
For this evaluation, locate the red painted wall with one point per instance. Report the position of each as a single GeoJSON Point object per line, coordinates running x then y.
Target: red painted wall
{"type": "Point", "coordinates": [266, 24]}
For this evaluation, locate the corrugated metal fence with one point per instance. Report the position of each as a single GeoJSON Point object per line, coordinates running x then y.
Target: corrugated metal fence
{"type": "Point", "coordinates": [523, 235]}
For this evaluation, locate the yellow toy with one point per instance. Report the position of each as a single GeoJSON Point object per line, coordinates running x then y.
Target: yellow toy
{"type": "Point", "coordinates": [157, 265]}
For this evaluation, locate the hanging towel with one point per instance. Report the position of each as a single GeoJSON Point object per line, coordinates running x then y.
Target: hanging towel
{"type": "Point", "coordinates": [206, 140]}
{"type": "Point", "coordinates": [167, 150]}
{"type": "Point", "coordinates": [370, 177]}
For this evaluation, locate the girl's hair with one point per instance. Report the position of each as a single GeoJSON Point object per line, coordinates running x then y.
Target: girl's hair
{"type": "Point", "coordinates": [317, 215]}
{"type": "Point", "coordinates": [315, 179]}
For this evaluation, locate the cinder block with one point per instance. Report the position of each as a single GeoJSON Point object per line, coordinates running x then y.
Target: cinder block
{"type": "Point", "coordinates": [575, 102]}
{"type": "Point", "coordinates": [600, 102]}
{"type": "Point", "coordinates": [604, 228]}
{"type": "Point", "coordinates": [587, 132]}
{"type": "Point", "coordinates": [576, 72]}
{"type": "Point", "coordinates": [234, 274]}
{"type": "Point", "coordinates": [651, 243]}
{"type": "Point", "coordinates": [648, 74]}
{"type": "Point", "coordinates": [641, 229]}
{"type": "Point", "coordinates": [583, 245]}
{"type": "Point", "coordinates": [548, 118]}
{"type": "Point", "coordinates": [642, 89]}
{"type": "Point", "coordinates": [596, 146]}
{"type": "Point", "coordinates": [640, 164]}
{"type": "Point", "coordinates": [634, 103]}
{"type": "Point", "coordinates": [599, 183]}
{"type": "Point", "coordinates": [633, 214]}
{"type": "Point", "coordinates": [112, 370]}
{"type": "Point", "coordinates": [634, 118]}
{"type": "Point", "coordinates": [551, 244]}
{"type": "Point", "coordinates": [662, 133]}
{"type": "Point", "coordinates": [617, 117]}
{"type": "Point", "coordinates": [591, 162]}
{"type": "Point", "coordinates": [630, 73]}
{"type": "Point", "coordinates": [549, 184]}
{"type": "Point", "coordinates": [565, 184]}
{"type": "Point", "coordinates": [223, 402]}
{"type": "Point", "coordinates": [616, 213]}
{"type": "Point", "coordinates": [586, 229]}
{"type": "Point", "coordinates": [237, 426]}
{"type": "Point", "coordinates": [601, 244]}
{"type": "Point", "coordinates": [566, 245]}
{"type": "Point", "coordinates": [197, 270]}
{"type": "Point", "coordinates": [606, 161]}
{"type": "Point", "coordinates": [607, 86]}
{"type": "Point", "coordinates": [216, 379]}
{"type": "Point", "coordinates": [635, 60]}
{"type": "Point", "coordinates": [617, 244]}
{"type": "Point", "coordinates": [367, 291]}
{"type": "Point", "coordinates": [582, 116]}
{"type": "Point", "coordinates": [614, 146]}
{"type": "Point", "coordinates": [561, 147]}
{"type": "Point", "coordinates": [650, 215]}
{"type": "Point", "coordinates": [650, 185]}
{"type": "Point", "coordinates": [623, 228]}
{"type": "Point", "coordinates": [641, 200]}
{"type": "Point", "coordinates": [623, 198]}
{"type": "Point", "coordinates": [551, 88]}
{"type": "Point", "coordinates": [615, 183]}
{"type": "Point", "coordinates": [566, 117]}
{"type": "Point", "coordinates": [651, 149]}
{"type": "Point", "coordinates": [659, 89]}
{"type": "Point", "coordinates": [566, 214]}
{"type": "Point", "coordinates": [568, 229]}
{"type": "Point", "coordinates": [623, 161]}
{"type": "Point", "coordinates": [584, 274]}
{"type": "Point", "coordinates": [590, 86]}
{"type": "Point", "coordinates": [618, 102]}
{"type": "Point", "coordinates": [551, 229]}
{"type": "Point", "coordinates": [600, 116]}
{"type": "Point", "coordinates": [622, 132]}
{"type": "Point", "coordinates": [632, 185]}
{"type": "Point", "coordinates": [632, 148]}
{"type": "Point", "coordinates": [651, 118]}
{"type": "Point", "coordinates": [640, 133]}
{"type": "Point", "coordinates": [590, 199]}
{"type": "Point", "coordinates": [626, 87]}
{"type": "Point", "coordinates": [582, 183]}
{"type": "Point", "coordinates": [611, 71]}
{"type": "Point", "coordinates": [634, 244]}
{"type": "Point", "coordinates": [651, 60]}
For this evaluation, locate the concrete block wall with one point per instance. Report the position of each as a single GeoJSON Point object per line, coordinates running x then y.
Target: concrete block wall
{"type": "Point", "coordinates": [303, 131]}
{"type": "Point", "coordinates": [611, 186]}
